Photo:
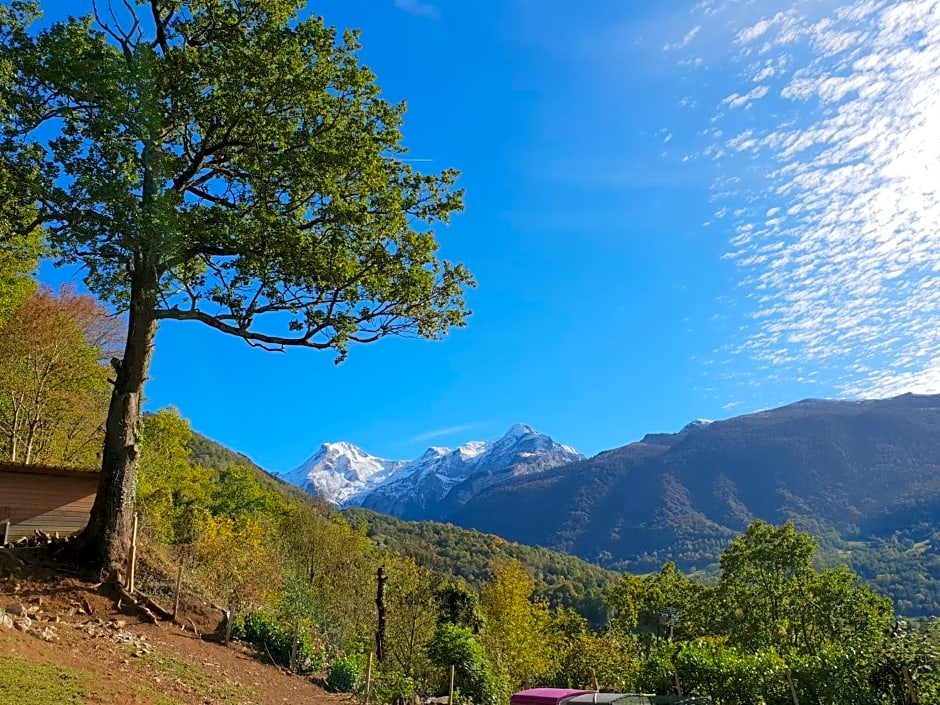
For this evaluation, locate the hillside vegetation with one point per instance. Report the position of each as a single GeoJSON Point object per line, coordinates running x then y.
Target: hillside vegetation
{"type": "Point", "coordinates": [561, 580]}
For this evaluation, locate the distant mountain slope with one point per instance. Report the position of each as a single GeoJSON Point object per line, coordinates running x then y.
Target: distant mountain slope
{"type": "Point", "coordinates": [561, 579]}
{"type": "Point", "coordinates": [211, 454]}
{"type": "Point", "coordinates": [863, 476]}
{"type": "Point", "coordinates": [433, 484]}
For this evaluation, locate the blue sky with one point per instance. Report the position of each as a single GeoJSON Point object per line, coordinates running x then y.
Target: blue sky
{"type": "Point", "coordinates": [674, 210]}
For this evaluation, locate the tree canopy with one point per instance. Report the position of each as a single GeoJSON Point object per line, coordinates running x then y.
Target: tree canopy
{"type": "Point", "coordinates": [243, 156]}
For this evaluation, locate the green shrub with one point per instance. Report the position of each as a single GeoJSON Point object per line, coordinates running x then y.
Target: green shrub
{"type": "Point", "coordinates": [459, 647]}
{"type": "Point", "coordinates": [392, 686]}
{"type": "Point", "coordinates": [345, 674]}
{"type": "Point", "coordinates": [268, 636]}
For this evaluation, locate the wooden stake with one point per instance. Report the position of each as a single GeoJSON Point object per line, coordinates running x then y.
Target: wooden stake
{"type": "Point", "coordinates": [450, 694]}
{"type": "Point", "coordinates": [176, 600]}
{"type": "Point", "coordinates": [369, 677]}
{"type": "Point", "coordinates": [229, 623]}
{"type": "Point", "coordinates": [6, 533]}
{"type": "Point", "coordinates": [911, 688]}
{"type": "Point", "coordinates": [796, 700]}
{"type": "Point", "coordinates": [133, 559]}
{"type": "Point", "coordinates": [294, 644]}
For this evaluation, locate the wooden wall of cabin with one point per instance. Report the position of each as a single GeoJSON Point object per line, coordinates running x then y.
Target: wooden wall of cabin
{"type": "Point", "coordinates": [58, 502]}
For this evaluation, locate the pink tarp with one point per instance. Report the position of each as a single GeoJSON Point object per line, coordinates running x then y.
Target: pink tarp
{"type": "Point", "coordinates": [544, 696]}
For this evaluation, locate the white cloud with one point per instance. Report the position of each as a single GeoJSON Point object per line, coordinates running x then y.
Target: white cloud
{"type": "Point", "coordinates": [441, 432]}
{"type": "Point", "coordinates": [419, 8]}
{"type": "Point", "coordinates": [838, 240]}
{"type": "Point", "coordinates": [736, 100]}
{"type": "Point", "coordinates": [686, 40]}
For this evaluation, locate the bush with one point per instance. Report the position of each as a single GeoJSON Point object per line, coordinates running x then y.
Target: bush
{"type": "Point", "coordinates": [268, 636]}
{"type": "Point", "coordinates": [457, 646]}
{"type": "Point", "coordinates": [345, 674]}
{"type": "Point", "coordinates": [392, 686]}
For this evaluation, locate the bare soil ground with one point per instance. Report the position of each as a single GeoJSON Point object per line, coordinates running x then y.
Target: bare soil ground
{"type": "Point", "coordinates": [75, 646]}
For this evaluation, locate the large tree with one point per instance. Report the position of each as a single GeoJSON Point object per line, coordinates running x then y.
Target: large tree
{"type": "Point", "coordinates": [228, 162]}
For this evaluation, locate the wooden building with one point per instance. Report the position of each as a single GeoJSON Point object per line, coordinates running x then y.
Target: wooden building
{"type": "Point", "coordinates": [51, 499]}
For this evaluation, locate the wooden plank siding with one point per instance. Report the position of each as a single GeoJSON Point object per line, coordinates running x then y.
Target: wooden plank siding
{"type": "Point", "coordinates": [49, 499]}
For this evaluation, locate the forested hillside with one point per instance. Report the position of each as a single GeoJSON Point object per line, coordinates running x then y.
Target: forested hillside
{"type": "Point", "coordinates": [863, 477]}
{"type": "Point", "coordinates": [560, 579]}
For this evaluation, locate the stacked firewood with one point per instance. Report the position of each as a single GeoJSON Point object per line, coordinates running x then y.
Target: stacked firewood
{"type": "Point", "coordinates": [39, 538]}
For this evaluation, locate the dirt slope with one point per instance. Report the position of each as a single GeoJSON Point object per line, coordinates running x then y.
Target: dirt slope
{"type": "Point", "coordinates": [75, 648]}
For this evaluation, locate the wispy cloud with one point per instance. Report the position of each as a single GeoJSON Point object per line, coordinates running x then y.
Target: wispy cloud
{"type": "Point", "coordinates": [419, 8]}
{"type": "Point", "coordinates": [830, 191]}
{"type": "Point", "coordinates": [442, 432]}
{"type": "Point", "coordinates": [736, 100]}
{"type": "Point", "coordinates": [686, 40]}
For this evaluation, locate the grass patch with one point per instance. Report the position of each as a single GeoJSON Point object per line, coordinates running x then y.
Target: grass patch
{"type": "Point", "coordinates": [24, 682]}
{"type": "Point", "coordinates": [29, 683]}
{"type": "Point", "coordinates": [157, 698]}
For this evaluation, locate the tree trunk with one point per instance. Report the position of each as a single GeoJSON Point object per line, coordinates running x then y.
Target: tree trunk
{"type": "Point", "coordinates": [15, 429]}
{"type": "Point", "coordinates": [380, 607]}
{"type": "Point", "coordinates": [106, 540]}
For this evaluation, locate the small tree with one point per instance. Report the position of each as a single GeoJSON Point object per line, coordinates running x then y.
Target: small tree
{"type": "Point", "coordinates": [516, 629]}
{"type": "Point", "coordinates": [236, 564]}
{"type": "Point", "coordinates": [53, 388]}
{"type": "Point", "coordinates": [457, 646]}
{"type": "Point", "coordinates": [172, 494]}
{"type": "Point", "coordinates": [227, 162]}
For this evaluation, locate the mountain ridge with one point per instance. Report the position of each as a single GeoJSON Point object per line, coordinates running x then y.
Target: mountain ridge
{"type": "Point", "coordinates": [348, 476]}
{"type": "Point", "coordinates": [863, 476]}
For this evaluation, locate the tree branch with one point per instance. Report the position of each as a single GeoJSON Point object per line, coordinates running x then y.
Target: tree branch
{"type": "Point", "coordinates": [275, 343]}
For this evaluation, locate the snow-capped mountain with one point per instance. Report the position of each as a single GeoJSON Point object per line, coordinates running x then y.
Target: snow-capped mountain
{"type": "Point", "coordinates": [425, 487]}
{"type": "Point", "coordinates": [339, 472]}
{"type": "Point", "coordinates": [696, 423]}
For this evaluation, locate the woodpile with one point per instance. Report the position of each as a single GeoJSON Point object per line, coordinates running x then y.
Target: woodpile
{"type": "Point", "coordinates": [39, 538]}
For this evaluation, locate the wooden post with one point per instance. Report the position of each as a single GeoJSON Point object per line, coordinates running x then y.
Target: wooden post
{"type": "Point", "coordinates": [229, 623]}
{"type": "Point", "coordinates": [133, 559]}
{"type": "Point", "coordinates": [796, 700]}
{"type": "Point", "coordinates": [911, 688]}
{"type": "Point", "coordinates": [675, 672]}
{"type": "Point", "coordinates": [6, 533]}
{"type": "Point", "coordinates": [450, 693]}
{"type": "Point", "coordinates": [176, 599]}
{"type": "Point", "coordinates": [293, 646]}
{"type": "Point", "coordinates": [369, 678]}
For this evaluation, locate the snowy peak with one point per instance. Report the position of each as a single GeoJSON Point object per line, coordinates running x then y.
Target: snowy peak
{"type": "Point", "coordinates": [340, 471]}
{"type": "Point", "coordinates": [519, 430]}
{"type": "Point", "coordinates": [349, 476]}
